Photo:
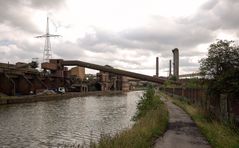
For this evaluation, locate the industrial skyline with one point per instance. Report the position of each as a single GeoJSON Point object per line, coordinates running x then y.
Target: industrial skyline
{"type": "Point", "coordinates": [125, 34]}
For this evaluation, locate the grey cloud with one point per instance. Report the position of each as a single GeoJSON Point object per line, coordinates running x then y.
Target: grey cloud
{"type": "Point", "coordinates": [163, 34]}
{"type": "Point", "coordinates": [185, 62]}
{"type": "Point", "coordinates": [6, 42]}
{"type": "Point", "coordinates": [228, 14]}
{"type": "Point", "coordinates": [14, 54]}
{"type": "Point", "coordinates": [158, 38]}
{"type": "Point", "coordinates": [218, 14]}
{"type": "Point", "coordinates": [47, 4]}
{"type": "Point", "coordinates": [103, 37]}
{"type": "Point", "coordinates": [209, 5]}
{"type": "Point", "coordinates": [131, 62]}
{"type": "Point", "coordinates": [184, 37]}
{"type": "Point", "coordinates": [17, 13]}
{"type": "Point", "coordinates": [13, 13]}
{"type": "Point", "coordinates": [68, 50]}
{"type": "Point", "coordinates": [151, 40]}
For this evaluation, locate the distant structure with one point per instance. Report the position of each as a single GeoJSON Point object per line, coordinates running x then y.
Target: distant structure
{"type": "Point", "coordinates": [170, 68]}
{"type": "Point", "coordinates": [47, 53]}
{"type": "Point", "coordinates": [157, 66]}
{"type": "Point", "coordinates": [176, 62]}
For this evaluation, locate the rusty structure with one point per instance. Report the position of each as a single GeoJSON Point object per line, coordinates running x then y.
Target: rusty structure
{"type": "Point", "coordinates": [24, 79]}
{"type": "Point", "coordinates": [113, 71]}
{"type": "Point", "coordinates": [109, 81]}
{"type": "Point", "coordinates": [78, 72]}
{"type": "Point", "coordinates": [19, 79]}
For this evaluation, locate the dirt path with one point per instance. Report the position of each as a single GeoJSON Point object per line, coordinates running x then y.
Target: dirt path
{"type": "Point", "coordinates": [182, 131]}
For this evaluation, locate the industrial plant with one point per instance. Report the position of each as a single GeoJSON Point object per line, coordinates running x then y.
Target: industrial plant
{"type": "Point", "coordinates": [58, 75]}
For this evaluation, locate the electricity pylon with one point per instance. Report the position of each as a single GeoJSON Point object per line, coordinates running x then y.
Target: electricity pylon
{"type": "Point", "coordinates": [47, 53]}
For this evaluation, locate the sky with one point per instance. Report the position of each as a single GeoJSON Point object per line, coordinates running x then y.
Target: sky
{"type": "Point", "coordinates": [126, 34]}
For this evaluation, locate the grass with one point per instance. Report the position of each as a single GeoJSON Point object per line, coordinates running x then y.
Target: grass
{"type": "Point", "coordinates": [151, 122]}
{"type": "Point", "coordinates": [219, 135]}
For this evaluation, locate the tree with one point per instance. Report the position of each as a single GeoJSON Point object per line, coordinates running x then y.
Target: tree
{"type": "Point", "coordinates": [222, 67]}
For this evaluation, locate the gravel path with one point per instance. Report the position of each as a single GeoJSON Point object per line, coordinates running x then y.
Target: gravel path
{"type": "Point", "coordinates": [182, 131]}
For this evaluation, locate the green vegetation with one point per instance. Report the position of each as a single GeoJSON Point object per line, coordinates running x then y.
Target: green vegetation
{"type": "Point", "coordinates": [173, 78]}
{"type": "Point", "coordinates": [149, 101]}
{"type": "Point", "coordinates": [219, 135]}
{"type": "Point", "coordinates": [169, 84]}
{"type": "Point", "coordinates": [222, 67]}
{"type": "Point", "coordinates": [195, 83]}
{"type": "Point", "coordinates": [151, 121]}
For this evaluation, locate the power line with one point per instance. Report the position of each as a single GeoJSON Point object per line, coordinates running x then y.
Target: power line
{"type": "Point", "coordinates": [47, 53]}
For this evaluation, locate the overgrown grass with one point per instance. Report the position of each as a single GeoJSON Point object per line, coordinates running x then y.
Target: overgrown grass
{"type": "Point", "coordinates": [151, 121]}
{"type": "Point", "coordinates": [218, 134]}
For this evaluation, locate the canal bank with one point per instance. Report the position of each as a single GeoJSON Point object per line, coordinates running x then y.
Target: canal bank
{"type": "Point", "coordinates": [50, 97]}
{"type": "Point", "coordinates": [151, 121]}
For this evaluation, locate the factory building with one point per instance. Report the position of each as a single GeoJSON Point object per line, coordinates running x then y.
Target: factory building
{"type": "Point", "coordinates": [78, 72]}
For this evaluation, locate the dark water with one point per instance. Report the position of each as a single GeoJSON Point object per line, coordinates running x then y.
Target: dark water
{"type": "Point", "coordinates": [65, 122]}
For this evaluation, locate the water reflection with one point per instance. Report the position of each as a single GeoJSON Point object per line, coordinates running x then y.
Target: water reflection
{"type": "Point", "coordinates": [72, 121]}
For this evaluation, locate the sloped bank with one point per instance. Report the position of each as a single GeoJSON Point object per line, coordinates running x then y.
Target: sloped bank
{"type": "Point", "coordinates": [151, 121]}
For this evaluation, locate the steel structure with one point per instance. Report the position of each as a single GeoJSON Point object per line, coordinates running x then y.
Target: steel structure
{"type": "Point", "coordinates": [47, 53]}
{"type": "Point", "coordinates": [114, 71]}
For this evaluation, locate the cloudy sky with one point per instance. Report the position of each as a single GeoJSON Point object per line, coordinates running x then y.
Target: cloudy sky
{"type": "Point", "coordinates": [127, 34]}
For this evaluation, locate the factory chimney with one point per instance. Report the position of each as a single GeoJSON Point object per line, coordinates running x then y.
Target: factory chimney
{"type": "Point", "coordinates": [157, 66]}
{"type": "Point", "coordinates": [175, 62]}
{"type": "Point", "coordinates": [170, 68]}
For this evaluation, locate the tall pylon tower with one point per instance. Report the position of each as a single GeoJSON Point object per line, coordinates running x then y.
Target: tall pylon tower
{"type": "Point", "coordinates": [47, 53]}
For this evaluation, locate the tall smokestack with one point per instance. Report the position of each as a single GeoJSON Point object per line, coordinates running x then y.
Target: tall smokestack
{"type": "Point", "coordinates": [170, 68]}
{"type": "Point", "coordinates": [175, 62]}
{"type": "Point", "coordinates": [157, 66]}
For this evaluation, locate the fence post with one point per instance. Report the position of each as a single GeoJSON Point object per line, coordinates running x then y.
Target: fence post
{"type": "Point", "coordinates": [173, 91]}
{"type": "Point", "coordinates": [182, 91]}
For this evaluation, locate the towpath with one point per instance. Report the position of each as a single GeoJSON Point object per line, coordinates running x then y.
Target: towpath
{"type": "Point", "coordinates": [182, 131]}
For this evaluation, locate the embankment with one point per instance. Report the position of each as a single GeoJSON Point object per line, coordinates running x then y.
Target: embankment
{"type": "Point", "coordinates": [151, 122]}
{"type": "Point", "coordinates": [36, 98]}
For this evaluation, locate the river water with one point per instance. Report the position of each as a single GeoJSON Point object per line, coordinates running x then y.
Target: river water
{"type": "Point", "coordinates": [66, 122]}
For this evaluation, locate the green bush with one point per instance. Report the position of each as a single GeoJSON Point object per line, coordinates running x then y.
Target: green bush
{"type": "Point", "coordinates": [147, 102]}
{"type": "Point", "coordinates": [151, 121]}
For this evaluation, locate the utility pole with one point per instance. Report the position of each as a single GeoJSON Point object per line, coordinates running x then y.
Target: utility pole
{"type": "Point", "coordinates": [47, 53]}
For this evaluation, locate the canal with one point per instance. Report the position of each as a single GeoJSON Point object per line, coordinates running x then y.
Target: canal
{"type": "Point", "coordinates": [66, 122]}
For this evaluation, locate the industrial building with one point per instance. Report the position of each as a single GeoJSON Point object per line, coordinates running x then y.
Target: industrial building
{"type": "Point", "coordinates": [78, 72]}
{"type": "Point", "coordinates": [24, 79]}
